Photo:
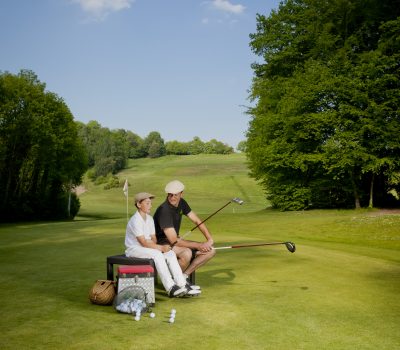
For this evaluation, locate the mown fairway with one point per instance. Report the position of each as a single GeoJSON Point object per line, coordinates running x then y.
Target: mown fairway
{"type": "Point", "coordinates": [340, 290]}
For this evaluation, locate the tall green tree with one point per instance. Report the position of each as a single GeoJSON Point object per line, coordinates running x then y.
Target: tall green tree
{"type": "Point", "coordinates": [135, 145]}
{"type": "Point", "coordinates": [42, 158]}
{"type": "Point", "coordinates": [109, 150]}
{"type": "Point", "coordinates": [154, 145]}
{"type": "Point", "coordinates": [196, 146]}
{"type": "Point", "coordinates": [177, 148]}
{"type": "Point", "coordinates": [323, 130]}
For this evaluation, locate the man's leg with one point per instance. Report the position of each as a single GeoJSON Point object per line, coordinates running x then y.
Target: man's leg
{"type": "Point", "coordinates": [184, 255]}
{"type": "Point", "coordinates": [199, 260]}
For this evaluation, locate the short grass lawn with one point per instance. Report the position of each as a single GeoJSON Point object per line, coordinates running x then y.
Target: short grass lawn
{"type": "Point", "coordinates": [339, 290]}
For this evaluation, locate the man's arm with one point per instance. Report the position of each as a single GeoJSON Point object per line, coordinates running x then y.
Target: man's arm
{"type": "Point", "coordinates": [202, 247]}
{"type": "Point", "coordinates": [203, 228]}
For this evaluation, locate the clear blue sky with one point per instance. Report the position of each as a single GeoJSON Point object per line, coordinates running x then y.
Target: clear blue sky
{"type": "Point", "coordinates": [180, 67]}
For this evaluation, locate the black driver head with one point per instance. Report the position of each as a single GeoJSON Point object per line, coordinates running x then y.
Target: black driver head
{"type": "Point", "coordinates": [290, 246]}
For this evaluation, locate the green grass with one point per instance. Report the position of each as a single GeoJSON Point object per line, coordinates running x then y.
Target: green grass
{"type": "Point", "coordinates": [340, 290]}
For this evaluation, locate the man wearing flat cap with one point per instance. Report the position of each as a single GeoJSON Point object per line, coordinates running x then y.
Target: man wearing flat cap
{"type": "Point", "coordinates": [140, 242]}
{"type": "Point", "coordinates": [167, 218]}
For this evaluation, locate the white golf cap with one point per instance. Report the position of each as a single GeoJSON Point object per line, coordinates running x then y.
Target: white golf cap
{"type": "Point", "coordinates": [143, 195]}
{"type": "Point", "coordinates": [174, 187]}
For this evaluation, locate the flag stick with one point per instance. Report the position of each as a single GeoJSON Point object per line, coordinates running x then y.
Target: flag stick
{"type": "Point", "coordinates": [126, 193]}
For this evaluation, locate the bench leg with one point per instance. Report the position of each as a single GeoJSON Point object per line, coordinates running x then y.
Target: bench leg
{"type": "Point", "coordinates": [110, 271]}
{"type": "Point", "coordinates": [192, 278]}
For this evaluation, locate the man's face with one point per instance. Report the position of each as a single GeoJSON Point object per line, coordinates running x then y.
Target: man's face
{"type": "Point", "coordinates": [174, 199]}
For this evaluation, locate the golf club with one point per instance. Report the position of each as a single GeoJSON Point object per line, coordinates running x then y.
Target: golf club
{"type": "Point", "coordinates": [233, 200]}
{"type": "Point", "coordinates": [291, 247]}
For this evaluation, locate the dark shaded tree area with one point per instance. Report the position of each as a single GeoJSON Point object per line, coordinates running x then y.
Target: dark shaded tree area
{"type": "Point", "coordinates": [41, 156]}
{"type": "Point", "coordinates": [325, 129]}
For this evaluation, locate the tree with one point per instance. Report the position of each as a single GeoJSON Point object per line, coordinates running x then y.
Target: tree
{"type": "Point", "coordinates": [241, 146]}
{"type": "Point", "coordinates": [154, 145]}
{"type": "Point", "coordinates": [176, 147]}
{"type": "Point", "coordinates": [135, 145]}
{"type": "Point", "coordinates": [326, 113]}
{"type": "Point", "coordinates": [108, 150]}
{"type": "Point", "coordinates": [196, 146]}
{"type": "Point", "coordinates": [41, 155]}
{"type": "Point", "coordinates": [216, 147]}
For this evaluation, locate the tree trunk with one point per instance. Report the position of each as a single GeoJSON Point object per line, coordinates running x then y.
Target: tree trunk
{"type": "Point", "coordinates": [356, 196]}
{"type": "Point", "coordinates": [357, 200]}
{"type": "Point", "coordinates": [371, 192]}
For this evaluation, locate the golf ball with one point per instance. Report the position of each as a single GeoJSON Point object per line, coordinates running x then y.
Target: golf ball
{"type": "Point", "coordinates": [173, 311]}
{"type": "Point", "coordinates": [137, 318]}
{"type": "Point", "coordinates": [152, 315]}
{"type": "Point", "coordinates": [172, 320]}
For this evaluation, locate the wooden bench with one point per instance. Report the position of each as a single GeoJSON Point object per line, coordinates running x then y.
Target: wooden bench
{"type": "Point", "coordinates": [124, 260]}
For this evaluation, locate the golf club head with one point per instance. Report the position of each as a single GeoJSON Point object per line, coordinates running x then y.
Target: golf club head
{"type": "Point", "coordinates": [237, 200]}
{"type": "Point", "coordinates": [290, 246]}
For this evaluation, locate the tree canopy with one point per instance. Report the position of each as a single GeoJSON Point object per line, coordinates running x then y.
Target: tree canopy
{"type": "Point", "coordinates": [197, 146]}
{"type": "Point", "coordinates": [41, 156]}
{"type": "Point", "coordinates": [324, 131]}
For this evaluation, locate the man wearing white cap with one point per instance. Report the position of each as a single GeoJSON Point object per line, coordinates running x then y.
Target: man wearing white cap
{"type": "Point", "coordinates": [167, 218]}
{"type": "Point", "coordinates": [140, 242]}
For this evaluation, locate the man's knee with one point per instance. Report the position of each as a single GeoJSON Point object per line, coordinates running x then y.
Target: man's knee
{"type": "Point", "coordinates": [211, 254]}
{"type": "Point", "coordinates": [186, 254]}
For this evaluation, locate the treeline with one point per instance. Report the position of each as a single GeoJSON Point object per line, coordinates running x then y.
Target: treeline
{"type": "Point", "coordinates": [325, 129]}
{"type": "Point", "coordinates": [44, 153]}
{"type": "Point", "coordinates": [108, 150]}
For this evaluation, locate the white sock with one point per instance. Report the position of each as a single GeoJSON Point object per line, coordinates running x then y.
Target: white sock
{"type": "Point", "coordinates": [185, 276]}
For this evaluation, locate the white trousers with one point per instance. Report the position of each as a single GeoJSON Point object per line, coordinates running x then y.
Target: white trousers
{"type": "Point", "coordinates": [166, 264]}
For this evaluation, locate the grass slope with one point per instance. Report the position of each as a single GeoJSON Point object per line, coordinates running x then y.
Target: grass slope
{"type": "Point", "coordinates": [338, 291]}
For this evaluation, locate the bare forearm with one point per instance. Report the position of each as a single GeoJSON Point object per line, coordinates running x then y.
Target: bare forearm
{"type": "Point", "coordinates": [206, 233]}
{"type": "Point", "coordinates": [153, 245]}
{"type": "Point", "coordinates": [203, 228]}
{"type": "Point", "coordinates": [187, 244]}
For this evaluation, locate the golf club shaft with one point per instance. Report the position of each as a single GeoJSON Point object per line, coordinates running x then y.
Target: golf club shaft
{"type": "Point", "coordinates": [187, 233]}
{"type": "Point", "coordinates": [210, 216]}
{"type": "Point", "coordinates": [249, 245]}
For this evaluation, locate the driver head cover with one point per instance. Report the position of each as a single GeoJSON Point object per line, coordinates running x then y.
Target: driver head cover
{"type": "Point", "coordinates": [174, 187]}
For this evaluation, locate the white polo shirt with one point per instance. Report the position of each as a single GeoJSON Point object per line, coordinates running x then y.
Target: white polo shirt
{"type": "Point", "coordinates": [137, 227]}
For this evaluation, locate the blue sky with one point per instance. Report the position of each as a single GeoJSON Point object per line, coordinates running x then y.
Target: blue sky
{"type": "Point", "coordinates": [180, 67]}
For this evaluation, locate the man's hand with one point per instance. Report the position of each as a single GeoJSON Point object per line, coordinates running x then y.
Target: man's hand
{"type": "Point", "coordinates": [206, 246]}
{"type": "Point", "coordinates": [165, 248]}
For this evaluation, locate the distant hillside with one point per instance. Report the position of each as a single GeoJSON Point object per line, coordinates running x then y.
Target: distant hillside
{"type": "Point", "coordinates": [210, 180]}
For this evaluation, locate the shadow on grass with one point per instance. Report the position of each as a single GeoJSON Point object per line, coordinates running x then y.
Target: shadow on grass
{"type": "Point", "coordinates": [217, 277]}
{"type": "Point", "coordinates": [93, 217]}
{"type": "Point", "coordinates": [241, 189]}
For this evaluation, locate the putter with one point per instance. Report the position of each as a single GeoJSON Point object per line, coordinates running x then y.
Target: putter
{"type": "Point", "coordinates": [291, 247]}
{"type": "Point", "coordinates": [233, 200]}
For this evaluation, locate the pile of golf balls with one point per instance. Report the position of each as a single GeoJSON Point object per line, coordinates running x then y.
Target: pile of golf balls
{"type": "Point", "coordinates": [132, 306]}
{"type": "Point", "coordinates": [172, 316]}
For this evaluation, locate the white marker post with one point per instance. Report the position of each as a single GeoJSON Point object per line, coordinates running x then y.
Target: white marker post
{"type": "Point", "coordinates": [126, 192]}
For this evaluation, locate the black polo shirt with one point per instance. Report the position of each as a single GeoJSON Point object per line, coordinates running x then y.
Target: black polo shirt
{"type": "Point", "coordinates": [167, 216]}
